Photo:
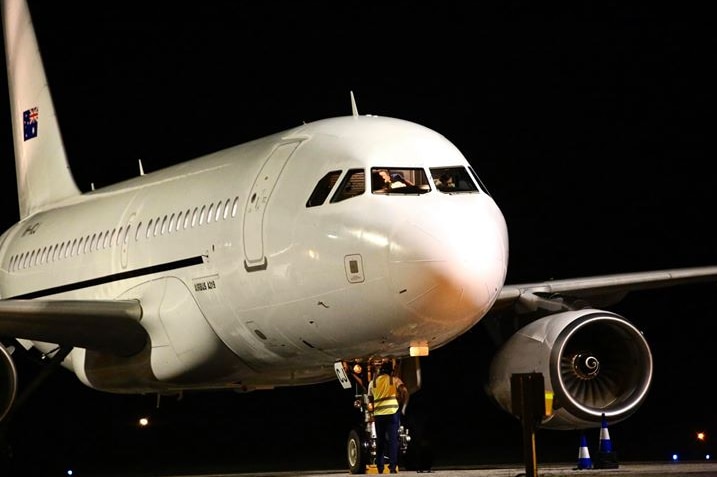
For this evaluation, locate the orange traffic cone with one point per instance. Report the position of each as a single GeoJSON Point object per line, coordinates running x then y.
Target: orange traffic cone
{"type": "Point", "coordinates": [606, 458]}
{"type": "Point", "coordinates": [584, 461]}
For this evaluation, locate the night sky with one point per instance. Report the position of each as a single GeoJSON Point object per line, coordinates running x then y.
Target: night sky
{"type": "Point", "coordinates": [592, 125]}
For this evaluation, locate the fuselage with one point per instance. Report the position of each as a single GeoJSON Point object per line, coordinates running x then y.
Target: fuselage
{"type": "Point", "coordinates": [270, 261]}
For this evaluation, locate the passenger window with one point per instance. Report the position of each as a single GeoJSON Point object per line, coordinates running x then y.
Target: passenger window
{"type": "Point", "coordinates": [201, 214]}
{"type": "Point", "coordinates": [353, 184]}
{"type": "Point", "coordinates": [323, 189]}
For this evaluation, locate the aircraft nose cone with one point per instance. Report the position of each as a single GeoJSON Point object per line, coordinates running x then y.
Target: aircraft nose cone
{"type": "Point", "coordinates": [449, 272]}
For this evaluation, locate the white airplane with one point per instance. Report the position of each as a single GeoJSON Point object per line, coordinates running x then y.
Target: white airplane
{"type": "Point", "coordinates": [298, 258]}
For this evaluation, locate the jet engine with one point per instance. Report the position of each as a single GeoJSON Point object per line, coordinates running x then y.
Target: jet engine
{"type": "Point", "coordinates": [8, 382]}
{"type": "Point", "coordinates": [595, 362]}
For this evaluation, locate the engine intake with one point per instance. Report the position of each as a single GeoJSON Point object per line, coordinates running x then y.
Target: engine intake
{"type": "Point", "coordinates": [595, 362]}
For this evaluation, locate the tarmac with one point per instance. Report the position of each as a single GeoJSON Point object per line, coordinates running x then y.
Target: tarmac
{"type": "Point", "coordinates": [681, 469]}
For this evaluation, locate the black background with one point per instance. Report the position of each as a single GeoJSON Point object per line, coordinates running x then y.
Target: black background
{"type": "Point", "coordinates": [590, 122]}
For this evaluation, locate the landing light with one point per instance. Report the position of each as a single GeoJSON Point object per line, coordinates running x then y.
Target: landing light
{"type": "Point", "coordinates": [421, 350]}
{"type": "Point", "coordinates": [143, 422]}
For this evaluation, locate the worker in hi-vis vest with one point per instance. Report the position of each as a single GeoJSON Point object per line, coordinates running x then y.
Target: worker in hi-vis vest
{"type": "Point", "coordinates": [389, 396]}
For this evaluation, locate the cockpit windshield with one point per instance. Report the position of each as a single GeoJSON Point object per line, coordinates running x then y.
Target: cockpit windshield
{"type": "Point", "coordinates": [394, 181]}
{"type": "Point", "coordinates": [453, 179]}
{"type": "Point", "coordinates": [387, 180]}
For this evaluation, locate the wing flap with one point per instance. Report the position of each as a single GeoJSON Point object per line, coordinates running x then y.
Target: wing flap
{"type": "Point", "coordinates": [109, 326]}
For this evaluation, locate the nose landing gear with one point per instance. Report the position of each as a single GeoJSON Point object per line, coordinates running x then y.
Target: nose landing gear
{"type": "Point", "coordinates": [361, 442]}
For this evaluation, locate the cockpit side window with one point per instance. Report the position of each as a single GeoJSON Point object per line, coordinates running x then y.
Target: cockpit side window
{"type": "Point", "coordinates": [353, 184]}
{"type": "Point", "coordinates": [323, 189]}
{"type": "Point", "coordinates": [480, 182]}
{"type": "Point", "coordinates": [453, 179]}
{"type": "Point", "coordinates": [391, 180]}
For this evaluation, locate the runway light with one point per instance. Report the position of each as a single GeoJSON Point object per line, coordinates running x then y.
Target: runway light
{"type": "Point", "coordinates": [675, 458]}
{"type": "Point", "coordinates": [701, 436]}
{"type": "Point", "coordinates": [143, 422]}
{"type": "Point", "coordinates": [69, 472]}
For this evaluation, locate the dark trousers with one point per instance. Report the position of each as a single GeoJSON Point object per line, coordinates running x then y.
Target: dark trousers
{"type": "Point", "coordinates": [387, 437]}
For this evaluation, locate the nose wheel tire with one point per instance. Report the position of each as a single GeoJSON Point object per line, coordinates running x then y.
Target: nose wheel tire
{"type": "Point", "coordinates": [356, 453]}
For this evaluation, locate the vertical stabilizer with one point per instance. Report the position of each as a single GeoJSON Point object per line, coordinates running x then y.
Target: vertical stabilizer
{"type": "Point", "coordinates": [43, 173]}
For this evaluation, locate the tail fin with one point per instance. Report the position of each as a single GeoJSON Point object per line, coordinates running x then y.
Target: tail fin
{"type": "Point", "coordinates": [43, 173]}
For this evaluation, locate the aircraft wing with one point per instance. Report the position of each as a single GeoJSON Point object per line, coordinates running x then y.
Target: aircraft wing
{"type": "Point", "coordinates": [601, 290]}
{"type": "Point", "coordinates": [110, 326]}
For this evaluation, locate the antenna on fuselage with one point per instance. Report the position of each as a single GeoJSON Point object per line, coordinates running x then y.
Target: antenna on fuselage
{"type": "Point", "coordinates": [354, 109]}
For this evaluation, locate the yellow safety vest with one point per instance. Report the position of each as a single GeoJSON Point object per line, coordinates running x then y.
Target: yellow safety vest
{"type": "Point", "coordinates": [385, 395]}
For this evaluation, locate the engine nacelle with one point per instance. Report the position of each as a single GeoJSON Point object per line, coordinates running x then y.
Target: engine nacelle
{"type": "Point", "coordinates": [595, 362]}
{"type": "Point", "coordinates": [8, 382]}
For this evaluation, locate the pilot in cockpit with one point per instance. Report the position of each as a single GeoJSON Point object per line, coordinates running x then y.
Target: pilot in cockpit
{"type": "Point", "coordinates": [397, 180]}
{"type": "Point", "coordinates": [380, 180]}
{"type": "Point", "coordinates": [383, 180]}
{"type": "Point", "coordinates": [445, 183]}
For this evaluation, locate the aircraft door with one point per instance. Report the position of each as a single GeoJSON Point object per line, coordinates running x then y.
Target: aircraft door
{"type": "Point", "coordinates": [256, 206]}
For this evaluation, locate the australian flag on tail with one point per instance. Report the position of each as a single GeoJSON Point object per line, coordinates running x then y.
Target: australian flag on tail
{"type": "Point", "coordinates": [29, 123]}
